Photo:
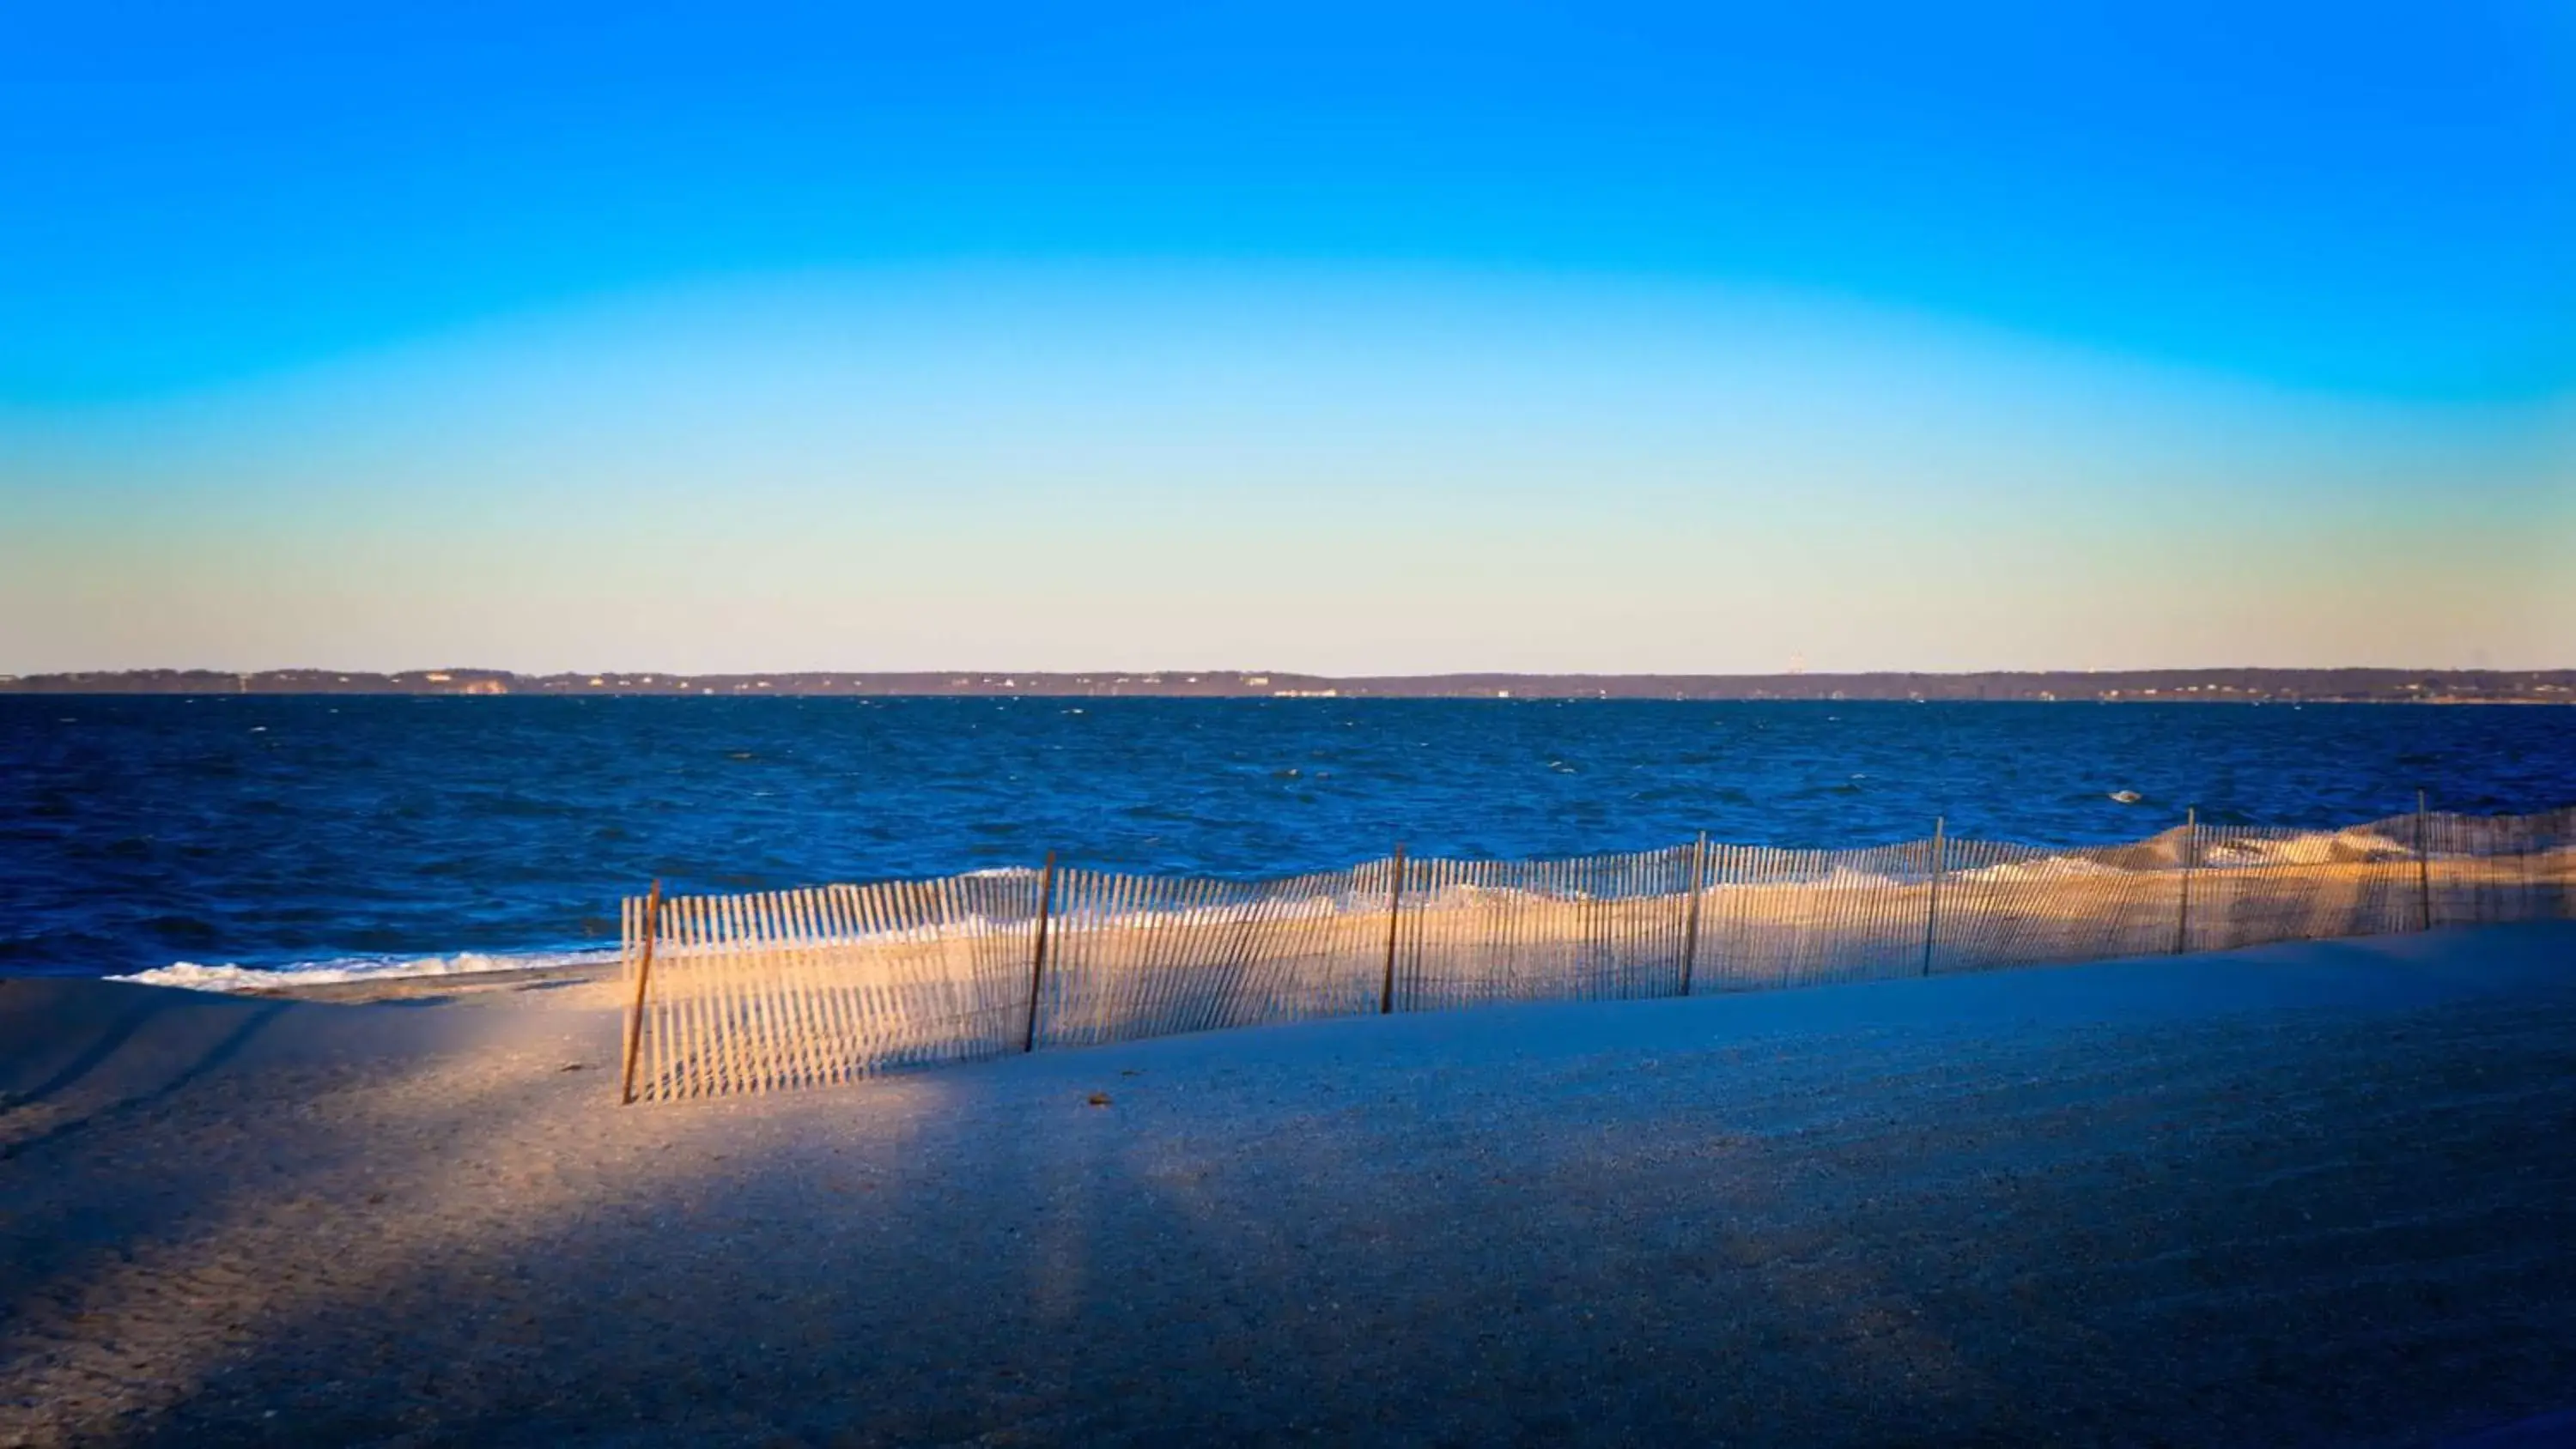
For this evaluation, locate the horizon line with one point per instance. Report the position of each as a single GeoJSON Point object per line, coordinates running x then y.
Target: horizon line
{"type": "Point", "coordinates": [1135, 673]}
{"type": "Point", "coordinates": [2356, 684]}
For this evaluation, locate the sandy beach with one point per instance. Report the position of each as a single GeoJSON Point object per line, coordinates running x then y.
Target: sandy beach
{"type": "Point", "coordinates": [2314, 1193]}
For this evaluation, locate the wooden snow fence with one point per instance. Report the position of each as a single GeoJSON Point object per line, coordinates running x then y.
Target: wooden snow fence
{"type": "Point", "coordinates": [755, 992]}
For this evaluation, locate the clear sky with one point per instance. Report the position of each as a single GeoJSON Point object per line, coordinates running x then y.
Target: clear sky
{"type": "Point", "coordinates": [1297, 336]}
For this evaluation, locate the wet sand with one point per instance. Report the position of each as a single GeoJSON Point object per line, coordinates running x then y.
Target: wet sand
{"type": "Point", "coordinates": [2318, 1193]}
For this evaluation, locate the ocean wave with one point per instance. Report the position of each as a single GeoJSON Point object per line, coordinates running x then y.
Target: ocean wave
{"type": "Point", "coordinates": [345, 969]}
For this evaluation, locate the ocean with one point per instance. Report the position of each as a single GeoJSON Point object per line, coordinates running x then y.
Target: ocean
{"type": "Point", "coordinates": [411, 835]}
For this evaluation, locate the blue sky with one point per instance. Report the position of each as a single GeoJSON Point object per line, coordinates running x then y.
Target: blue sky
{"type": "Point", "coordinates": [1294, 337]}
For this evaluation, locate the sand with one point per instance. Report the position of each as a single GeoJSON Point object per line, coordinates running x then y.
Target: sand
{"type": "Point", "coordinates": [2318, 1193]}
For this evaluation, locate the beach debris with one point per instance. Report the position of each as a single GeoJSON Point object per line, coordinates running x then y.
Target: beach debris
{"type": "Point", "coordinates": [1098, 1099]}
{"type": "Point", "coordinates": [2127, 797]}
{"type": "Point", "coordinates": [569, 1067]}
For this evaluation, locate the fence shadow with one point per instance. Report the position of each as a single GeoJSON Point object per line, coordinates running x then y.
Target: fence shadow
{"type": "Point", "coordinates": [69, 1056]}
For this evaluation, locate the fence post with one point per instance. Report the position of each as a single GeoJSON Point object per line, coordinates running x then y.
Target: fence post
{"type": "Point", "coordinates": [2527, 834]}
{"type": "Point", "coordinates": [1394, 914]}
{"type": "Point", "coordinates": [1932, 917]}
{"type": "Point", "coordinates": [2190, 861]}
{"type": "Point", "coordinates": [635, 1008]}
{"type": "Point", "coordinates": [1690, 921]}
{"type": "Point", "coordinates": [2423, 869]}
{"type": "Point", "coordinates": [1037, 959]}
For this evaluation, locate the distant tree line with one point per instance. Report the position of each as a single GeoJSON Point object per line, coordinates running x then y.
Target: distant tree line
{"type": "Point", "coordinates": [2431, 686]}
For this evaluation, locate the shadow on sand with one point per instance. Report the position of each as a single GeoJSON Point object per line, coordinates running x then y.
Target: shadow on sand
{"type": "Point", "coordinates": [107, 1060]}
{"type": "Point", "coordinates": [2293, 1197]}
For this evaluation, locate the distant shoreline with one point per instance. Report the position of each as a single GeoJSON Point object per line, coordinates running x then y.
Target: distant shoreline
{"type": "Point", "coordinates": [2191, 686]}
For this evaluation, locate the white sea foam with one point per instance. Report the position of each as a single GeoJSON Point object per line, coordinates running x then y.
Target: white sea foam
{"type": "Point", "coordinates": [345, 969]}
{"type": "Point", "coordinates": [2046, 867]}
{"type": "Point", "coordinates": [2319, 847]}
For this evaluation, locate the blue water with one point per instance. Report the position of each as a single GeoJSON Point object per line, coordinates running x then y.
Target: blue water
{"type": "Point", "coordinates": [138, 832]}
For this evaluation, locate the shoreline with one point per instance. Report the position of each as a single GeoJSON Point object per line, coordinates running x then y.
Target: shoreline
{"type": "Point", "coordinates": [415, 988]}
{"type": "Point", "coordinates": [1773, 915]}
